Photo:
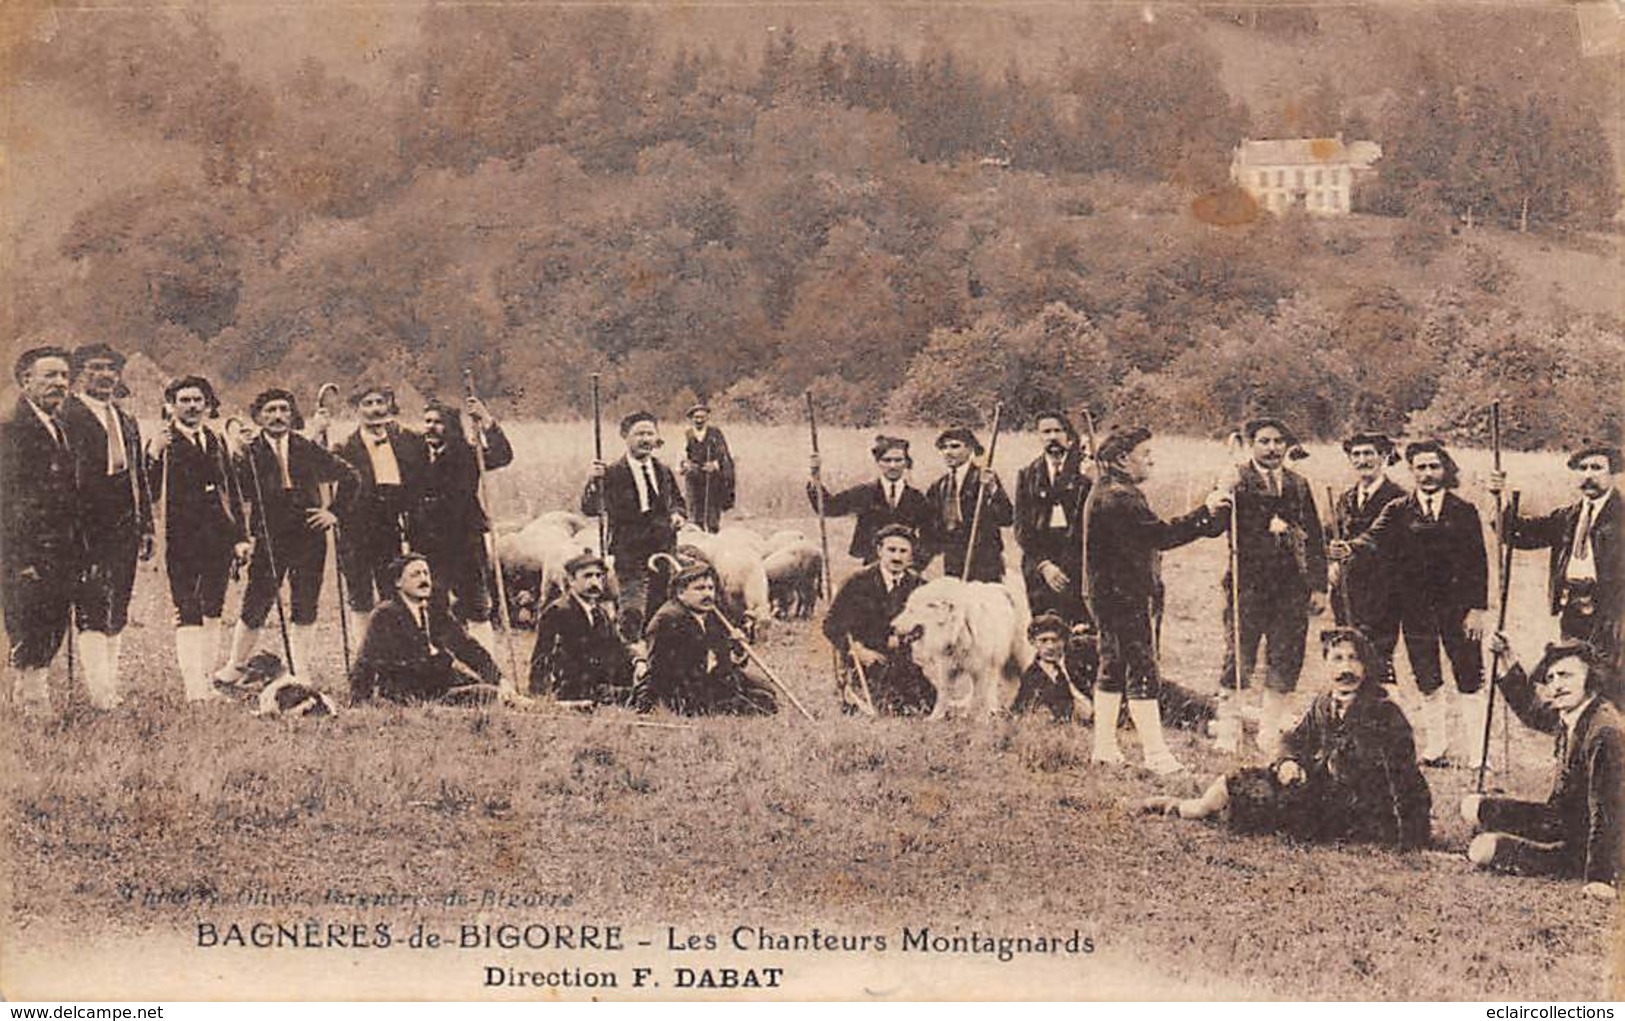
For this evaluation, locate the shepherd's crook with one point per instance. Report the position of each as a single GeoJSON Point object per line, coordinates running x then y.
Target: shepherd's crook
{"type": "Point", "coordinates": [490, 543]}
{"type": "Point", "coordinates": [981, 492]}
{"type": "Point", "coordinates": [739, 636]}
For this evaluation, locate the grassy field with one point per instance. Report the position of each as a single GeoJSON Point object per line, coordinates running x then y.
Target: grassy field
{"type": "Point", "coordinates": [846, 823]}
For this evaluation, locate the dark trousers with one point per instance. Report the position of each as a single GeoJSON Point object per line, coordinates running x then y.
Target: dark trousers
{"type": "Point", "coordinates": [1380, 626]}
{"type": "Point", "coordinates": [1581, 619]}
{"type": "Point", "coordinates": [301, 558]}
{"type": "Point", "coordinates": [897, 687]}
{"type": "Point", "coordinates": [1278, 617]}
{"type": "Point", "coordinates": [704, 501]}
{"type": "Point", "coordinates": [198, 575]}
{"type": "Point", "coordinates": [1533, 841]}
{"type": "Point", "coordinates": [988, 563]}
{"type": "Point", "coordinates": [462, 570]}
{"type": "Point", "coordinates": [1426, 627]}
{"type": "Point", "coordinates": [642, 591]}
{"type": "Point", "coordinates": [102, 598]}
{"type": "Point", "coordinates": [1128, 662]}
{"type": "Point", "coordinates": [36, 611]}
{"type": "Point", "coordinates": [371, 539]}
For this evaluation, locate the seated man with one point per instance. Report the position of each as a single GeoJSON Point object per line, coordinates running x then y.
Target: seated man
{"type": "Point", "coordinates": [694, 664]}
{"type": "Point", "coordinates": [578, 655]}
{"type": "Point", "coordinates": [1577, 830]}
{"type": "Point", "coordinates": [1048, 682]}
{"type": "Point", "coordinates": [859, 626]}
{"type": "Point", "coordinates": [1348, 769]}
{"type": "Point", "coordinates": [415, 650]}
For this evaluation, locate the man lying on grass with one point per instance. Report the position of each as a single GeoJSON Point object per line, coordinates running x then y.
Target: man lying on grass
{"type": "Point", "coordinates": [1347, 771]}
{"type": "Point", "coordinates": [1579, 831]}
{"type": "Point", "coordinates": [415, 650]}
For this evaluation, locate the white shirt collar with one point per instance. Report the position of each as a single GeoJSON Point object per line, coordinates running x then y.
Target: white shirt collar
{"type": "Point", "coordinates": [1572, 718]}
{"type": "Point", "coordinates": [50, 423]}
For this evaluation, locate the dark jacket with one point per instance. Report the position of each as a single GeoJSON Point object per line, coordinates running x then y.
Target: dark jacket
{"type": "Point", "coordinates": [37, 498]}
{"type": "Point", "coordinates": [1036, 497]}
{"type": "Point", "coordinates": [574, 660]}
{"type": "Point", "coordinates": [863, 610]}
{"type": "Point", "coordinates": [363, 519]}
{"type": "Point", "coordinates": [1369, 587]}
{"type": "Point", "coordinates": [1362, 769]}
{"type": "Point", "coordinates": [395, 662]}
{"type": "Point", "coordinates": [1125, 537]}
{"type": "Point", "coordinates": [1441, 564]}
{"type": "Point", "coordinates": [1555, 531]}
{"type": "Point", "coordinates": [1296, 558]}
{"type": "Point", "coordinates": [693, 669]}
{"type": "Point", "coordinates": [1588, 795]}
{"type": "Point", "coordinates": [633, 534]}
{"type": "Point", "coordinates": [203, 503]}
{"type": "Point", "coordinates": [714, 447]}
{"type": "Point", "coordinates": [1038, 689]}
{"type": "Point", "coordinates": [309, 466]}
{"type": "Point", "coordinates": [107, 504]}
{"type": "Point", "coordinates": [868, 502]}
{"type": "Point", "coordinates": [448, 515]}
{"type": "Point", "coordinates": [950, 541]}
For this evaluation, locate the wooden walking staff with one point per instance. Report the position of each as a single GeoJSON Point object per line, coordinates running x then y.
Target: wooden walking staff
{"type": "Point", "coordinates": [598, 455]}
{"type": "Point", "coordinates": [981, 491]}
{"type": "Point", "coordinates": [1503, 557]}
{"type": "Point", "coordinates": [329, 494]}
{"type": "Point", "coordinates": [1235, 569]}
{"type": "Point", "coordinates": [739, 636]}
{"type": "Point", "coordinates": [1084, 592]}
{"type": "Point", "coordinates": [866, 704]}
{"type": "Point", "coordinates": [494, 558]}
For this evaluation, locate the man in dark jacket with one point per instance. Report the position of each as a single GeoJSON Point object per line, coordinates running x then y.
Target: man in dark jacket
{"type": "Point", "coordinates": [859, 626]}
{"type": "Point", "coordinates": [953, 500]}
{"type": "Point", "coordinates": [695, 667]}
{"type": "Point", "coordinates": [1579, 830]}
{"type": "Point", "coordinates": [114, 513]}
{"type": "Point", "coordinates": [1047, 682]}
{"type": "Point", "coordinates": [1362, 591]}
{"type": "Point", "coordinates": [280, 474]}
{"type": "Point", "coordinates": [449, 523]}
{"type": "Point", "coordinates": [707, 469]}
{"type": "Point", "coordinates": [205, 532]}
{"type": "Point", "coordinates": [1432, 544]}
{"type": "Point", "coordinates": [1586, 573]}
{"type": "Point", "coordinates": [578, 656]}
{"type": "Point", "coordinates": [889, 500]}
{"type": "Point", "coordinates": [1347, 770]}
{"type": "Point", "coordinates": [38, 544]}
{"type": "Point", "coordinates": [1281, 551]}
{"type": "Point", "coordinates": [1125, 538]}
{"type": "Point", "coordinates": [390, 464]}
{"type": "Point", "coordinates": [415, 650]}
{"type": "Point", "coordinates": [639, 497]}
{"type": "Point", "coordinates": [1050, 495]}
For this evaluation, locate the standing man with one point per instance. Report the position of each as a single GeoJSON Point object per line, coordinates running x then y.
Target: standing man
{"type": "Point", "coordinates": [414, 650]}
{"type": "Point", "coordinates": [280, 474]}
{"type": "Point", "coordinates": [1050, 494]}
{"type": "Point", "coordinates": [1125, 539]}
{"type": "Point", "coordinates": [578, 657]}
{"type": "Point", "coordinates": [859, 626]}
{"type": "Point", "coordinates": [1586, 579]}
{"type": "Point", "coordinates": [1433, 544]}
{"type": "Point", "coordinates": [638, 494]}
{"type": "Point", "coordinates": [889, 500]}
{"type": "Point", "coordinates": [1363, 591]}
{"type": "Point", "coordinates": [390, 463]}
{"type": "Point", "coordinates": [205, 534]}
{"type": "Point", "coordinates": [708, 469]}
{"type": "Point", "coordinates": [449, 523]}
{"type": "Point", "coordinates": [114, 513]}
{"type": "Point", "coordinates": [37, 540]}
{"type": "Point", "coordinates": [953, 505]}
{"type": "Point", "coordinates": [1281, 551]}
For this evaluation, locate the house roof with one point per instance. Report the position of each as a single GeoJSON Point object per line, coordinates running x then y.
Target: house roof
{"type": "Point", "coordinates": [1305, 152]}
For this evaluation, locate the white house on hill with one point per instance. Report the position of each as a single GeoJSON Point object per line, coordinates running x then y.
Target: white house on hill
{"type": "Point", "coordinates": [1317, 174]}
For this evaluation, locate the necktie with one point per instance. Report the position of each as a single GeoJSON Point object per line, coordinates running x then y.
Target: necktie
{"type": "Point", "coordinates": [1360, 496]}
{"type": "Point", "coordinates": [1582, 535]}
{"type": "Point", "coordinates": [1275, 483]}
{"type": "Point", "coordinates": [891, 494]}
{"type": "Point", "coordinates": [117, 460]}
{"type": "Point", "coordinates": [649, 490]}
{"type": "Point", "coordinates": [953, 516]}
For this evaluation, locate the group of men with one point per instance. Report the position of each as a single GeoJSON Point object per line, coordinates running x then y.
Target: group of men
{"type": "Point", "coordinates": [84, 501]}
